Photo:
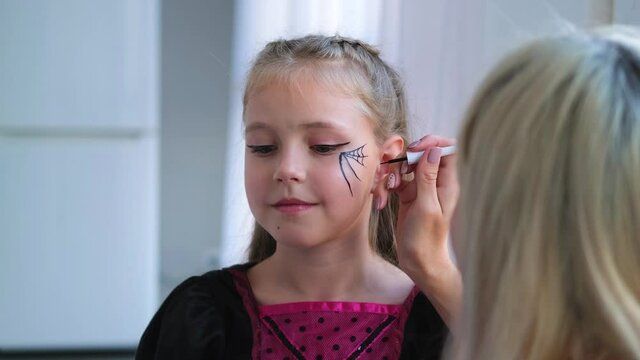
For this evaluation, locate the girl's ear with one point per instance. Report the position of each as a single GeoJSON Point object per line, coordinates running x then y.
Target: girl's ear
{"type": "Point", "coordinates": [391, 149]}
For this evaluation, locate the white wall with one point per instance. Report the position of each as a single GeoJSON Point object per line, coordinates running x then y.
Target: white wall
{"type": "Point", "coordinates": [447, 47]}
{"type": "Point", "coordinates": [195, 72]}
{"type": "Point", "coordinates": [627, 12]}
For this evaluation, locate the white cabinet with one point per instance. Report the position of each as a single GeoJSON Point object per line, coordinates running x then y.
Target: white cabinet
{"type": "Point", "coordinates": [78, 251]}
{"type": "Point", "coordinates": [78, 173]}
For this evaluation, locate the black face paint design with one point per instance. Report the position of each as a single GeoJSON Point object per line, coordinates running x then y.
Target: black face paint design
{"type": "Point", "coordinates": [356, 155]}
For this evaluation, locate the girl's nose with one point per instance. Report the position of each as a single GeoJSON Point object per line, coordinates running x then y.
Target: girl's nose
{"type": "Point", "coordinates": [290, 168]}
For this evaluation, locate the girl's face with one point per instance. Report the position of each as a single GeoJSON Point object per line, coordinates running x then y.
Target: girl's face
{"type": "Point", "coordinates": [310, 164]}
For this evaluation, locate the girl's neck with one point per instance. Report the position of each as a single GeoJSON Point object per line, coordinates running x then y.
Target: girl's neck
{"type": "Point", "coordinates": [293, 275]}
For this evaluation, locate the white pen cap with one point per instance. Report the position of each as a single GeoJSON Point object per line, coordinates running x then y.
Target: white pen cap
{"type": "Point", "coordinates": [414, 157]}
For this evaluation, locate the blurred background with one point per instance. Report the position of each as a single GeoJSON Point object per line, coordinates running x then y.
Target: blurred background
{"type": "Point", "coordinates": [121, 150]}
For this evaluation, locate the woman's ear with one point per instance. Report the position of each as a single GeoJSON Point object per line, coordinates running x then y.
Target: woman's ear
{"type": "Point", "coordinates": [387, 173]}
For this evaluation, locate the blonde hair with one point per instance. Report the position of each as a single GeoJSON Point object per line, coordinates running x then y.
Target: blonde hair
{"type": "Point", "coordinates": [550, 202]}
{"type": "Point", "coordinates": [355, 69]}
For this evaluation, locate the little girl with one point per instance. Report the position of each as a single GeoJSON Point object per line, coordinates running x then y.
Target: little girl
{"type": "Point", "coordinates": [320, 114]}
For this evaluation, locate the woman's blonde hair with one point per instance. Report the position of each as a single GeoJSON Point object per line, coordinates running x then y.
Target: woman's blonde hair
{"type": "Point", "coordinates": [352, 68]}
{"type": "Point", "coordinates": [550, 202]}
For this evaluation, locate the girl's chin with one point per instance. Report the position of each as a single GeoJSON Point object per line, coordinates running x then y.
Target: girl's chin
{"type": "Point", "coordinates": [300, 242]}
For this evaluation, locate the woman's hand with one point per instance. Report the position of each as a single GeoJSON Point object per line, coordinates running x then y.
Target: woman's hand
{"type": "Point", "coordinates": [427, 204]}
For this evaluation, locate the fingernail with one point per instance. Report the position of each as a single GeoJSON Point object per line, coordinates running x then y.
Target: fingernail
{"type": "Point", "coordinates": [404, 167]}
{"type": "Point", "coordinates": [379, 204]}
{"type": "Point", "coordinates": [391, 181]}
{"type": "Point", "coordinates": [434, 155]}
{"type": "Point", "coordinates": [415, 143]}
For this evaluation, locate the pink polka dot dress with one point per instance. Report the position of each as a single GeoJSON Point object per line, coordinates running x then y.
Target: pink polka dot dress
{"type": "Point", "coordinates": [325, 330]}
{"type": "Point", "coordinates": [215, 316]}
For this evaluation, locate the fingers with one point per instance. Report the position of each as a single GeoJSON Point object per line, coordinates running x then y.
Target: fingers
{"type": "Point", "coordinates": [447, 185]}
{"type": "Point", "coordinates": [437, 181]}
{"type": "Point", "coordinates": [435, 176]}
{"type": "Point", "coordinates": [398, 181]}
{"type": "Point", "coordinates": [426, 177]}
{"type": "Point", "coordinates": [430, 141]}
{"type": "Point", "coordinates": [394, 175]}
{"type": "Point", "coordinates": [407, 191]}
{"type": "Point", "coordinates": [425, 144]}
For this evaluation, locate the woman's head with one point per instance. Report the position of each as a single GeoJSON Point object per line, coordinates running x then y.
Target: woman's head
{"type": "Point", "coordinates": [340, 82]}
{"type": "Point", "coordinates": [549, 169]}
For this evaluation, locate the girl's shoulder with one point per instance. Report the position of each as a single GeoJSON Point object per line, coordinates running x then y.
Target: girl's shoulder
{"type": "Point", "coordinates": [215, 289]}
{"type": "Point", "coordinates": [216, 286]}
{"type": "Point", "coordinates": [194, 318]}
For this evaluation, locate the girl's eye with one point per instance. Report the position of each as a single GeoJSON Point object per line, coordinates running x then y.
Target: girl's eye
{"type": "Point", "coordinates": [326, 148]}
{"type": "Point", "coordinates": [261, 149]}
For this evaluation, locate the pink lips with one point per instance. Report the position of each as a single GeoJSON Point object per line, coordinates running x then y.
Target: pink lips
{"type": "Point", "coordinates": [292, 206]}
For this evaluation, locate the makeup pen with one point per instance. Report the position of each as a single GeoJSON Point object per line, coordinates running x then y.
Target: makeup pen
{"type": "Point", "coordinates": [413, 157]}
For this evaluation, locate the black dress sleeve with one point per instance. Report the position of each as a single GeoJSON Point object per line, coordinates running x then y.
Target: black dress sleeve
{"type": "Point", "coordinates": [202, 318]}
{"type": "Point", "coordinates": [425, 333]}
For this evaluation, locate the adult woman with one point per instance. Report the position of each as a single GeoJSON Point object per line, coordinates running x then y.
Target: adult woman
{"type": "Point", "coordinates": [548, 232]}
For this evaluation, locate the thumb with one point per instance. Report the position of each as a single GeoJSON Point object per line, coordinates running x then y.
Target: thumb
{"type": "Point", "coordinates": [427, 176]}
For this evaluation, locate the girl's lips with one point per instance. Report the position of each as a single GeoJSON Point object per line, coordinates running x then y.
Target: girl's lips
{"type": "Point", "coordinates": [292, 206]}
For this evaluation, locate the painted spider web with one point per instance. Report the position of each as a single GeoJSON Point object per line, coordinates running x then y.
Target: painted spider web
{"type": "Point", "coordinates": [356, 155]}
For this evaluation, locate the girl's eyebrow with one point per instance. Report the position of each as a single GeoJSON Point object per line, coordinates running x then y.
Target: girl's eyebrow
{"type": "Point", "coordinates": [256, 126]}
{"type": "Point", "coordinates": [322, 125]}
{"type": "Point", "coordinates": [307, 125]}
